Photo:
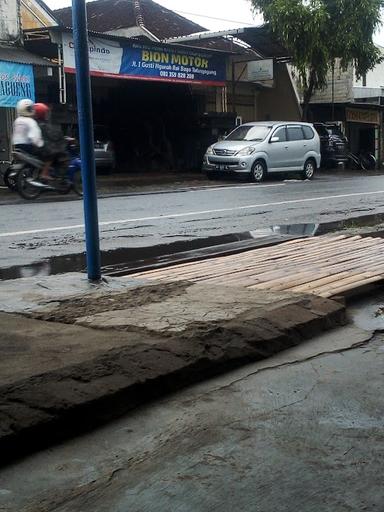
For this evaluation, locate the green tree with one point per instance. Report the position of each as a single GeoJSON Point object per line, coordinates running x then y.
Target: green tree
{"type": "Point", "coordinates": [317, 32]}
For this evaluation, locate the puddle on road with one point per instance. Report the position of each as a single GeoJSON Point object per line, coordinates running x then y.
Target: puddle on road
{"type": "Point", "coordinates": [131, 259]}
{"type": "Point", "coordinates": [368, 313]}
{"type": "Point", "coordinates": [125, 260]}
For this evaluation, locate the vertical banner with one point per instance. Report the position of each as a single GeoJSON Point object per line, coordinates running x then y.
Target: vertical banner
{"type": "Point", "coordinates": [16, 83]}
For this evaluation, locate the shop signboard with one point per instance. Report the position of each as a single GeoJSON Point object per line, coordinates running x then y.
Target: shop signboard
{"type": "Point", "coordinates": [362, 116]}
{"type": "Point", "coordinates": [260, 70]}
{"type": "Point", "coordinates": [140, 61]}
{"type": "Point", "coordinates": [16, 83]}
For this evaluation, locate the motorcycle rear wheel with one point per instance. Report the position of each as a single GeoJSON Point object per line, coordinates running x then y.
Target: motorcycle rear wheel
{"type": "Point", "coordinates": [24, 188]}
{"type": "Point", "coordinates": [367, 162]}
{"type": "Point", "coordinates": [10, 182]}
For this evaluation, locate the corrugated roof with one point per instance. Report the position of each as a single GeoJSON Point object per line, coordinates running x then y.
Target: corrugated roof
{"type": "Point", "coordinates": [21, 56]}
{"type": "Point", "coordinates": [108, 15]}
{"type": "Point", "coordinates": [263, 41]}
{"type": "Point", "coordinates": [256, 39]}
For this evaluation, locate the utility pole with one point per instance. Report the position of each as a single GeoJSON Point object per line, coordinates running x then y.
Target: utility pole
{"type": "Point", "coordinates": [333, 91]}
{"type": "Point", "coordinates": [84, 109]}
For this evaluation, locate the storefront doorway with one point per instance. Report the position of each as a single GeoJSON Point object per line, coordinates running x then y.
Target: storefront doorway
{"type": "Point", "coordinates": [363, 131]}
{"type": "Point", "coordinates": [152, 126]}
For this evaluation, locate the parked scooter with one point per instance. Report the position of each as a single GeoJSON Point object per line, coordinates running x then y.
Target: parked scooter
{"type": "Point", "coordinates": [364, 161]}
{"type": "Point", "coordinates": [66, 174]}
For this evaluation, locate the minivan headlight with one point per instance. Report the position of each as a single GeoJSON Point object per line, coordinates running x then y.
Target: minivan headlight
{"type": "Point", "coordinates": [209, 151]}
{"type": "Point", "coordinates": [246, 151]}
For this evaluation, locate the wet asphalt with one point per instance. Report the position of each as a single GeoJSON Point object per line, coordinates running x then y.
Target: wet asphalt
{"type": "Point", "coordinates": [50, 227]}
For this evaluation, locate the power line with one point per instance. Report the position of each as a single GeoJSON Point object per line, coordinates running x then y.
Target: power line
{"type": "Point", "coordinates": [204, 16]}
{"type": "Point", "coordinates": [213, 18]}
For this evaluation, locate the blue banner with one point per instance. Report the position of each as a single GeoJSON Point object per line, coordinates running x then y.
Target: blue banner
{"type": "Point", "coordinates": [173, 65]}
{"type": "Point", "coordinates": [16, 83]}
{"type": "Point", "coordinates": [140, 61]}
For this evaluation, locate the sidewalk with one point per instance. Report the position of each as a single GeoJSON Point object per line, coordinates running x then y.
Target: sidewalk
{"type": "Point", "coordinates": [65, 367]}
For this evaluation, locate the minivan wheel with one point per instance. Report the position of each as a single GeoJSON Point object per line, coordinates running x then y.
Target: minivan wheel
{"type": "Point", "coordinates": [309, 169]}
{"type": "Point", "coordinates": [259, 171]}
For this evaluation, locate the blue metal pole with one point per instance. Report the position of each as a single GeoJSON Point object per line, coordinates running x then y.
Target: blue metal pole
{"type": "Point", "coordinates": [84, 109]}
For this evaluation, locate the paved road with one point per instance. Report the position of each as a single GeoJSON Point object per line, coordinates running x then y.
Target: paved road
{"type": "Point", "coordinates": [302, 431]}
{"type": "Point", "coordinates": [33, 231]}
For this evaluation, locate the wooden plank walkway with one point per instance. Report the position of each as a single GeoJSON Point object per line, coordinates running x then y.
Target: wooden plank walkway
{"type": "Point", "coordinates": [326, 266]}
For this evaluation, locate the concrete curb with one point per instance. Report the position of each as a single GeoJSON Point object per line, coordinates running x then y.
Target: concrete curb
{"type": "Point", "coordinates": [45, 408]}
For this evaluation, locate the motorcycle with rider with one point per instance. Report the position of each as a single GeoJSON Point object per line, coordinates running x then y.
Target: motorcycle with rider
{"type": "Point", "coordinates": [44, 160]}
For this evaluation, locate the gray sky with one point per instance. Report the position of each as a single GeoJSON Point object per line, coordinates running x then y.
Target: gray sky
{"type": "Point", "coordinates": [213, 14]}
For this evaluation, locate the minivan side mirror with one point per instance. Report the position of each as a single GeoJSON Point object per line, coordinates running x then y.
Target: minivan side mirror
{"type": "Point", "coordinates": [274, 139]}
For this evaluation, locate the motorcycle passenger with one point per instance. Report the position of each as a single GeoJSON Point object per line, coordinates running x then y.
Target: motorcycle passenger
{"type": "Point", "coordinates": [54, 149]}
{"type": "Point", "coordinates": [27, 134]}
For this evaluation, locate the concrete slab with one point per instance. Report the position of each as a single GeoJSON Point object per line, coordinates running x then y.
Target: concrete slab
{"type": "Point", "coordinates": [30, 293]}
{"type": "Point", "coordinates": [196, 304]}
{"type": "Point", "coordinates": [135, 343]}
{"type": "Point", "coordinates": [301, 431]}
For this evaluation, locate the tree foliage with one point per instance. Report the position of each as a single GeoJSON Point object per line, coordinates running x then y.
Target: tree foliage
{"type": "Point", "coordinates": [317, 32]}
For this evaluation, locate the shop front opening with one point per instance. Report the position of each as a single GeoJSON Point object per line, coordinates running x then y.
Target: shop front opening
{"type": "Point", "coordinates": [152, 126]}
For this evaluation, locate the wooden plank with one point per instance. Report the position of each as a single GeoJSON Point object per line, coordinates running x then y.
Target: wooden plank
{"type": "Point", "coordinates": [346, 281]}
{"type": "Point", "coordinates": [278, 249]}
{"type": "Point", "coordinates": [354, 286]}
{"type": "Point", "coordinates": [265, 273]}
{"type": "Point", "coordinates": [320, 266]}
{"type": "Point", "coordinates": [225, 270]}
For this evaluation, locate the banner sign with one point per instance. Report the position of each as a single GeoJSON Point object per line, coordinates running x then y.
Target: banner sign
{"type": "Point", "coordinates": [145, 62]}
{"type": "Point", "coordinates": [16, 83]}
{"type": "Point", "coordinates": [362, 116]}
{"type": "Point", "coordinates": [260, 70]}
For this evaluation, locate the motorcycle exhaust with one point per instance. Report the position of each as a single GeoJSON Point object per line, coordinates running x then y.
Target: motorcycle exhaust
{"type": "Point", "coordinates": [38, 184]}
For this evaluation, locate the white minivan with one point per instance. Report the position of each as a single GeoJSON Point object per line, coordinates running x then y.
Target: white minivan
{"type": "Point", "coordinates": [256, 149]}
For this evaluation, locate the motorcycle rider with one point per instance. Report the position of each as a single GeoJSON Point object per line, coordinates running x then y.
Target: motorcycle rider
{"type": "Point", "coordinates": [27, 134]}
{"type": "Point", "coordinates": [54, 142]}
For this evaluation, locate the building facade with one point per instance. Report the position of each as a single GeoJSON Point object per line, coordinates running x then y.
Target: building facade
{"type": "Point", "coordinates": [161, 99]}
{"type": "Point", "coordinates": [357, 104]}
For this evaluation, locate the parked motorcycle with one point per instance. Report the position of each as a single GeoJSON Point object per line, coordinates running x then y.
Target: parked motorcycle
{"type": "Point", "coordinates": [364, 161]}
{"type": "Point", "coordinates": [66, 174]}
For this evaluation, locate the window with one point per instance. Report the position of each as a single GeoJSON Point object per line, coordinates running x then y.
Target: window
{"type": "Point", "coordinates": [249, 132]}
{"type": "Point", "coordinates": [321, 130]}
{"type": "Point", "coordinates": [281, 133]}
{"type": "Point", "coordinates": [295, 133]}
{"type": "Point", "coordinates": [308, 133]}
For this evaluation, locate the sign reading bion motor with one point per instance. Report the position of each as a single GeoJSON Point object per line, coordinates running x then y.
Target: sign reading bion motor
{"type": "Point", "coordinates": [145, 62]}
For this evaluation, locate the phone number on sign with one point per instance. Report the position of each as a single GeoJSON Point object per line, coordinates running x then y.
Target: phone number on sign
{"type": "Point", "coordinates": [173, 74]}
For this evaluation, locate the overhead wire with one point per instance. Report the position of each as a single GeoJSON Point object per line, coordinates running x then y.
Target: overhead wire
{"type": "Point", "coordinates": [204, 16]}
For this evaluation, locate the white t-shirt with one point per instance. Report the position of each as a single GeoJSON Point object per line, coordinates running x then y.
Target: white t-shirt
{"type": "Point", "coordinates": [27, 131]}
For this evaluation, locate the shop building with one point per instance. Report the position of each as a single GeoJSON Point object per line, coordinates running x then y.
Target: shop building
{"type": "Point", "coordinates": [163, 87]}
{"type": "Point", "coordinates": [357, 105]}
{"type": "Point", "coordinates": [21, 72]}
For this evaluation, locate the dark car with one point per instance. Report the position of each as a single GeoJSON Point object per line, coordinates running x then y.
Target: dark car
{"type": "Point", "coordinates": [333, 144]}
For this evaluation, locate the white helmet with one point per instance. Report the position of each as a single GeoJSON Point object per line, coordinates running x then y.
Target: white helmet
{"type": "Point", "coordinates": [25, 108]}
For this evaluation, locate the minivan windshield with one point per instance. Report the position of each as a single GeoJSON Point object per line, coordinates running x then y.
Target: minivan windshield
{"type": "Point", "coordinates": [249, 132]}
